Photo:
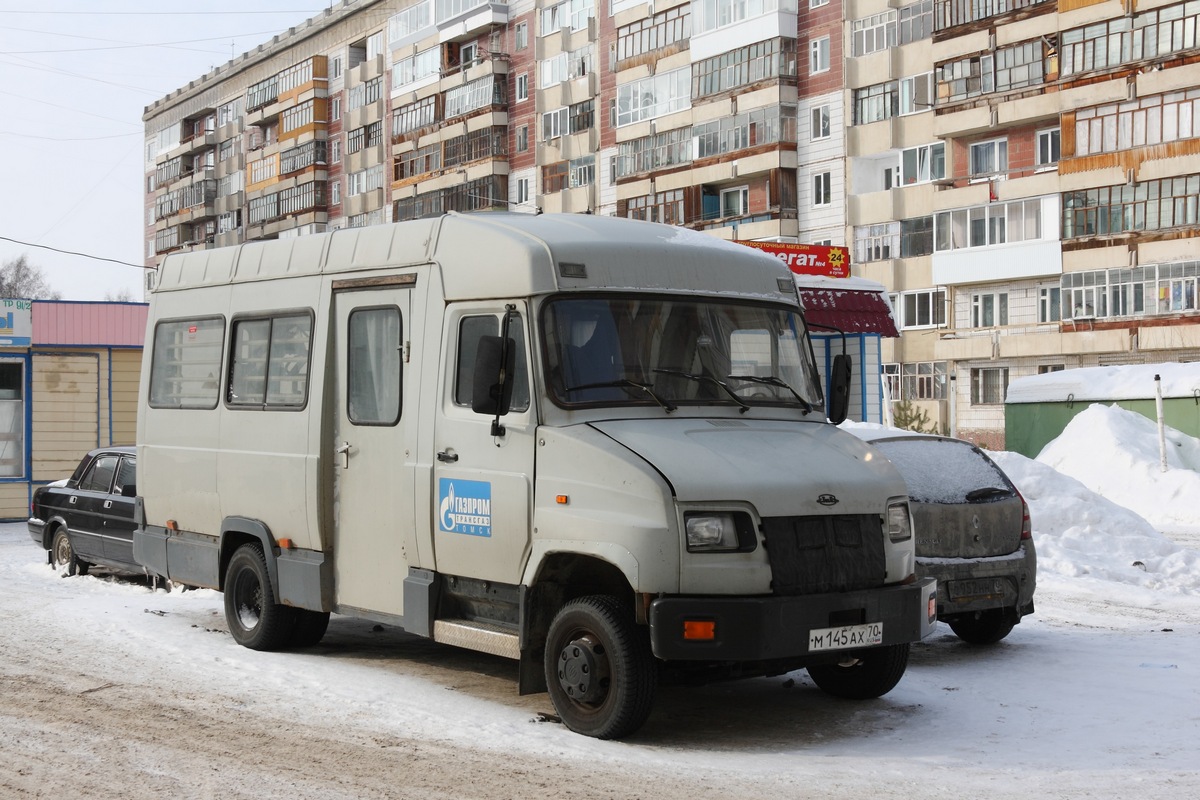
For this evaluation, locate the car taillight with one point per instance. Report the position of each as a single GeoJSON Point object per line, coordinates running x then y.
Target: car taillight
{"type": "Point", "coordinates": [1026, 525]}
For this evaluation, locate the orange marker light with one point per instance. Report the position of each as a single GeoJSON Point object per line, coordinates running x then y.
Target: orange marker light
{"type": "Point", "coordinates": [562, 499]}
{"type": "Point", "coordinates": [699, 630]}
{"type": "Point", "coordinates": [285, 544]}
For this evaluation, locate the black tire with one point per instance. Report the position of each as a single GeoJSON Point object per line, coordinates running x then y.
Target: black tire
{"type": "Point", "coordinates": [985, 627]}
{"type": "Point", "coordinates": [599, 669]}
{"type": "Point", "coordinates": [63, 555]}
{"type": "Point", "coordinates": [309, 627]}
{"type": "Point", "coordinates": [255, 620]}
{"type": "Point", "coordinates": [874, 673]}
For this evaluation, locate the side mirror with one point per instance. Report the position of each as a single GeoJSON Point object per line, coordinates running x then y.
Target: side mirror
{"type": "Point", "coordinates": [839, 388]}
{"type": "Point", "coordinates": [492, 385]}
{"type": "Point", "coordinates": [129, 490]}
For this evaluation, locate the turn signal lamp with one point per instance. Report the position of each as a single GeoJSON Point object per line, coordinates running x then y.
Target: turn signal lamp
{"type": "Point", "coordinates": [699, 630]}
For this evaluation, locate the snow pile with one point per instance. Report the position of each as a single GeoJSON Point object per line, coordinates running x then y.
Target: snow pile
{"type": "Point", "coordinates": [1078, 533]}
{"type": "Point", "coordinates": [1114, 452]}
{"type": "Point", "coordinates": [1127, 382]}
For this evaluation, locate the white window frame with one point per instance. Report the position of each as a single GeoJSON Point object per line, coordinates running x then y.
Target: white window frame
{"type": "Point", "coordinates": [924, 161]}
{"type": "Point", "coordinates": [997, 168]}
{"type": "Point", "coordinates": [1052, 137]}
{"type": "Point", "coordinates": [928, 309]}
{"type": "Point", "coordinates": [523, 195]}
{"type": "Point", "coordinates": [523, 86]}
{"type": "Point", "coordinates": [915, 94]}
{"type": "Point", "coordinates": [555, 123]}
{"type": "Point", "coordinates": [818, 56]}
{"type": "Point", "coordinates": [994, 303]}
{"type": "Point", "coordinates": [1049, 301]}
{"type": "Point", "coordinates": [822, 123]}
{"type": "Point", "coordinates": [822, 190]}
{"type": "Point", "coordinates": [742, 196]}
{"type": "Point", "coordinates": [979, 381]}
{"type": "Point", "coordinates": [521, 36]}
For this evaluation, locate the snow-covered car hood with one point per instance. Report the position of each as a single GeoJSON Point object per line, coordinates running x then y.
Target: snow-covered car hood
{"type": "Point", "coordinates": [783, 467]}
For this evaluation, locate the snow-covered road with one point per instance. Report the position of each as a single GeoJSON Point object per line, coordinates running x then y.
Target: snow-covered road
{"type": "Point", "coordinates": [108, 687]}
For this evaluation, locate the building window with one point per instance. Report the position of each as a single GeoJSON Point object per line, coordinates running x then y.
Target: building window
{"type": "Point", "coordinates": [521, 36]}
{"type": "Point", "coordinates": [573, 14]}
{"type": "Point", "coordinates": [1046, 369]}
{"type": "Point", "coordinates": [654, 33]}
{"type": "Point", "coordinates": [735, 202]}
{"type": "Point", "coordinates": [1146, 206]}
{"type": "Point", "coordinates": [818, 55]}
{"type": "Point", "coordinates": [1136, 123]}
{"type": "Point", "coordinates": [988, 386]}
{"type": "Point", "coordinates": [523, 86]}
{"type": "Point", "coordinates": [746, 65]}
{"type": "Point", "coordinates": [923, 164]}
{"type": "Point", "coordinates": [989, 310]}
{"type": "Point", "coordinates": [523, 191]}
{"type": "Point", "coordinates": [12, 416]}
{"type": "Point", "coordinates": [922, 309]}
{"type": "Point", "coordinates": [425, 64]}
{"type": "Point", "coordinates": [820, 123]}
{"type": "Point", "coordinates": [989, 158]}
{"type": "Point", "coordinates": [554, 177]}
{"type": "Point", "coordinates": [1049, 304]}
{"type": "Point", "coordinates": [335, 150]}
{"type": "Point", "coordinates": [995, 223]}
{"type": "Point", "coordinates": [335, 67]}
{"type": "Point", "coordinates": [583, 171]}
{"type": "Point", "coordinates": [655, 96]}
{"type": "Point", "coordinates": [554, 124]}
{"type": "Point", "coordinates": [1048, 147]}
{"type": "Point", "coordinates": [876, 242]}
{"type": "Point", "coordinates": [522, 138]}
{"type": "Point", "coordinates": [916, 237]}
{"type": "Point", "coordinates": [817, 3]}
{"type": "Point", "coordinates": [923, 380]}
{"type": "Point", "coordinates": [822, 189]}
{"type": "Point", "coordinates": [661, 207]}
{"type": "Point", "coordinates": [1148, 34]}
{"type": "Point", "coordinates": [335, 192]}
{"type": "Point", "coordinates": [335, 108]}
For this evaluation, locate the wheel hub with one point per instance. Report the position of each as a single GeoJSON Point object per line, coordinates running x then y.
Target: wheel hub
{"type": "Point", "coordinates": [583, 670]}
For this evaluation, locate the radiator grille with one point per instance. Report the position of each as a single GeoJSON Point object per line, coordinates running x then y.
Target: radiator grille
{"type": "Point", "coordinates": [811, 555]}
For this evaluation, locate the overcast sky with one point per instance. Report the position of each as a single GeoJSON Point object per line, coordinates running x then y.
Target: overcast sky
{"type": "Point", "coordinates": [74, 82]}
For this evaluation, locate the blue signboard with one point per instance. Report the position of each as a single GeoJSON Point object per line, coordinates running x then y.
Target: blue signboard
{"type": "Point", "coordinates": [465, 507]}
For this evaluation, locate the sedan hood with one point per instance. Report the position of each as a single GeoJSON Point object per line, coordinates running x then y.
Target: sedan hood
{"type": "Point", "coordinates": [782, 467]}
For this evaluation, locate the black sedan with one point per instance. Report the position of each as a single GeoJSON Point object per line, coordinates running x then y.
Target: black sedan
{"type": "Point", "coordinates": [88, 519]}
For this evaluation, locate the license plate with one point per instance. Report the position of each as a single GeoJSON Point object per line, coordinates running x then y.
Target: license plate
{"type": "Point", "coordinates": [977, 587]}
{"type": "Point", "coordinates": [845, 636]}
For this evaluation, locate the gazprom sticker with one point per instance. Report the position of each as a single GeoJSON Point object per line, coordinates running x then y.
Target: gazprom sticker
{"type": "Point", "coordinates": [465, 507]}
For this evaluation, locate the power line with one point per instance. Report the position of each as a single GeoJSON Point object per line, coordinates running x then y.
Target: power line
{"type": "Point", "coordinates": [56, 139]}
{"type": "Point", "coordinates": [119, 45]}
{"type": "Point", "coordinates": [73, 253]}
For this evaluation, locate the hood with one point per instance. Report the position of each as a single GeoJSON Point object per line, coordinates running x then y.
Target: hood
{"type": "Point", "coordinates": [782, 467]}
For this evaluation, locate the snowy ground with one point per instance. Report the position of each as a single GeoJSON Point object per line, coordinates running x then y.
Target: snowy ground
{"type": "Point", "coordinates": [107, 687]}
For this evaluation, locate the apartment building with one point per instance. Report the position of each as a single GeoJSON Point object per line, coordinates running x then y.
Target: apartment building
{"type": "Point", "coordinates": [1020, 175]}
{"type": "Point", "coordinates": [1024, 177]}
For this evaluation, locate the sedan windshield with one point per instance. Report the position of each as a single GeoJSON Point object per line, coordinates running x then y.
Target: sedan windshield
{"type": "Point", "coordinates": [673, 351]}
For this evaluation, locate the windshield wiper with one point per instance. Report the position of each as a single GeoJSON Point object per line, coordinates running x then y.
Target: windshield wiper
{"type": "Point", "coordinates": [707, 379]}
{"type": "Point", "coordinates": [625, 383]}
{"type": "Point", "coordinates": [771, 380]}
{"type": "Point", "coordinates": [986, 493]}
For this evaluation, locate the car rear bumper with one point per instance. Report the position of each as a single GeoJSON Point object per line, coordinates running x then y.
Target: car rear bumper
{"type": "Point", "coordinates": [37, 531]}
{"type": "Point", "coordinates": [765, 628]}
{"type": "Point", "coordinates": [969, 585]}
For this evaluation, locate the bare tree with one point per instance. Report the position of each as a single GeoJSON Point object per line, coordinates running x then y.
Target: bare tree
{"type": "Point", "coordinates": [19, 278]}
{"type": "Point", "coordinates": [122, 295]}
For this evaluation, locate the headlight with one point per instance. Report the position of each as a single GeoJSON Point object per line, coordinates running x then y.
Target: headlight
{"type": "Point", "coordinates": [719, 531]}
{"type": "Point", "coordinates": [898, 527]}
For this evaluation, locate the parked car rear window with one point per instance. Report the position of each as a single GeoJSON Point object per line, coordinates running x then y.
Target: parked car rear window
{"type": "Point", "coordinates": [940, 470]}
{"type": "Point", "coordinates": [99, 477]}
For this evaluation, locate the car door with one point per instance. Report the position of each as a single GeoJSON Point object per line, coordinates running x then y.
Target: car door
{"type": "Point", "coordinates": [373, 444]}
{"type": "Point", "coordinates": [117, 514]}
{"type": "Point", "coordinates": [87, 510]}
{"type": "Point", "coordinates": [483, 481]}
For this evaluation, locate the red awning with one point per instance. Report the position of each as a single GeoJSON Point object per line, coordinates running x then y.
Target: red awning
{"type": "Point", "coordinates": [849, 310]}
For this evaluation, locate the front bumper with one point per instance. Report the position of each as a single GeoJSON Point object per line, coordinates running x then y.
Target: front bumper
{"type": "Point", "coordinates": [970, 585]}
{"type": "Point", "coordinates": [766, 628]}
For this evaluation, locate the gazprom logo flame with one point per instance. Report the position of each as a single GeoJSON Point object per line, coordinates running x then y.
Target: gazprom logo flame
{"type": "Point", "coordinates": [465, 507]}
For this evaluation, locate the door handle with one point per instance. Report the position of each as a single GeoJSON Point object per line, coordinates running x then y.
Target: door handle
{"type": "Point", "coordinates": [72, 499]}
{"type": "Point", "coordinates": [108, 503]}
{"type": "Point", "coordinates": [447, 457]}
{"type": "Point", "coordinates": [343, 450]}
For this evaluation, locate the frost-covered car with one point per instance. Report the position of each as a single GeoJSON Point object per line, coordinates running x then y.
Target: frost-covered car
{"type": "Point", "coordinates": [88, 519]}
{"type": "Point", "coordinates": [972, 531]}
